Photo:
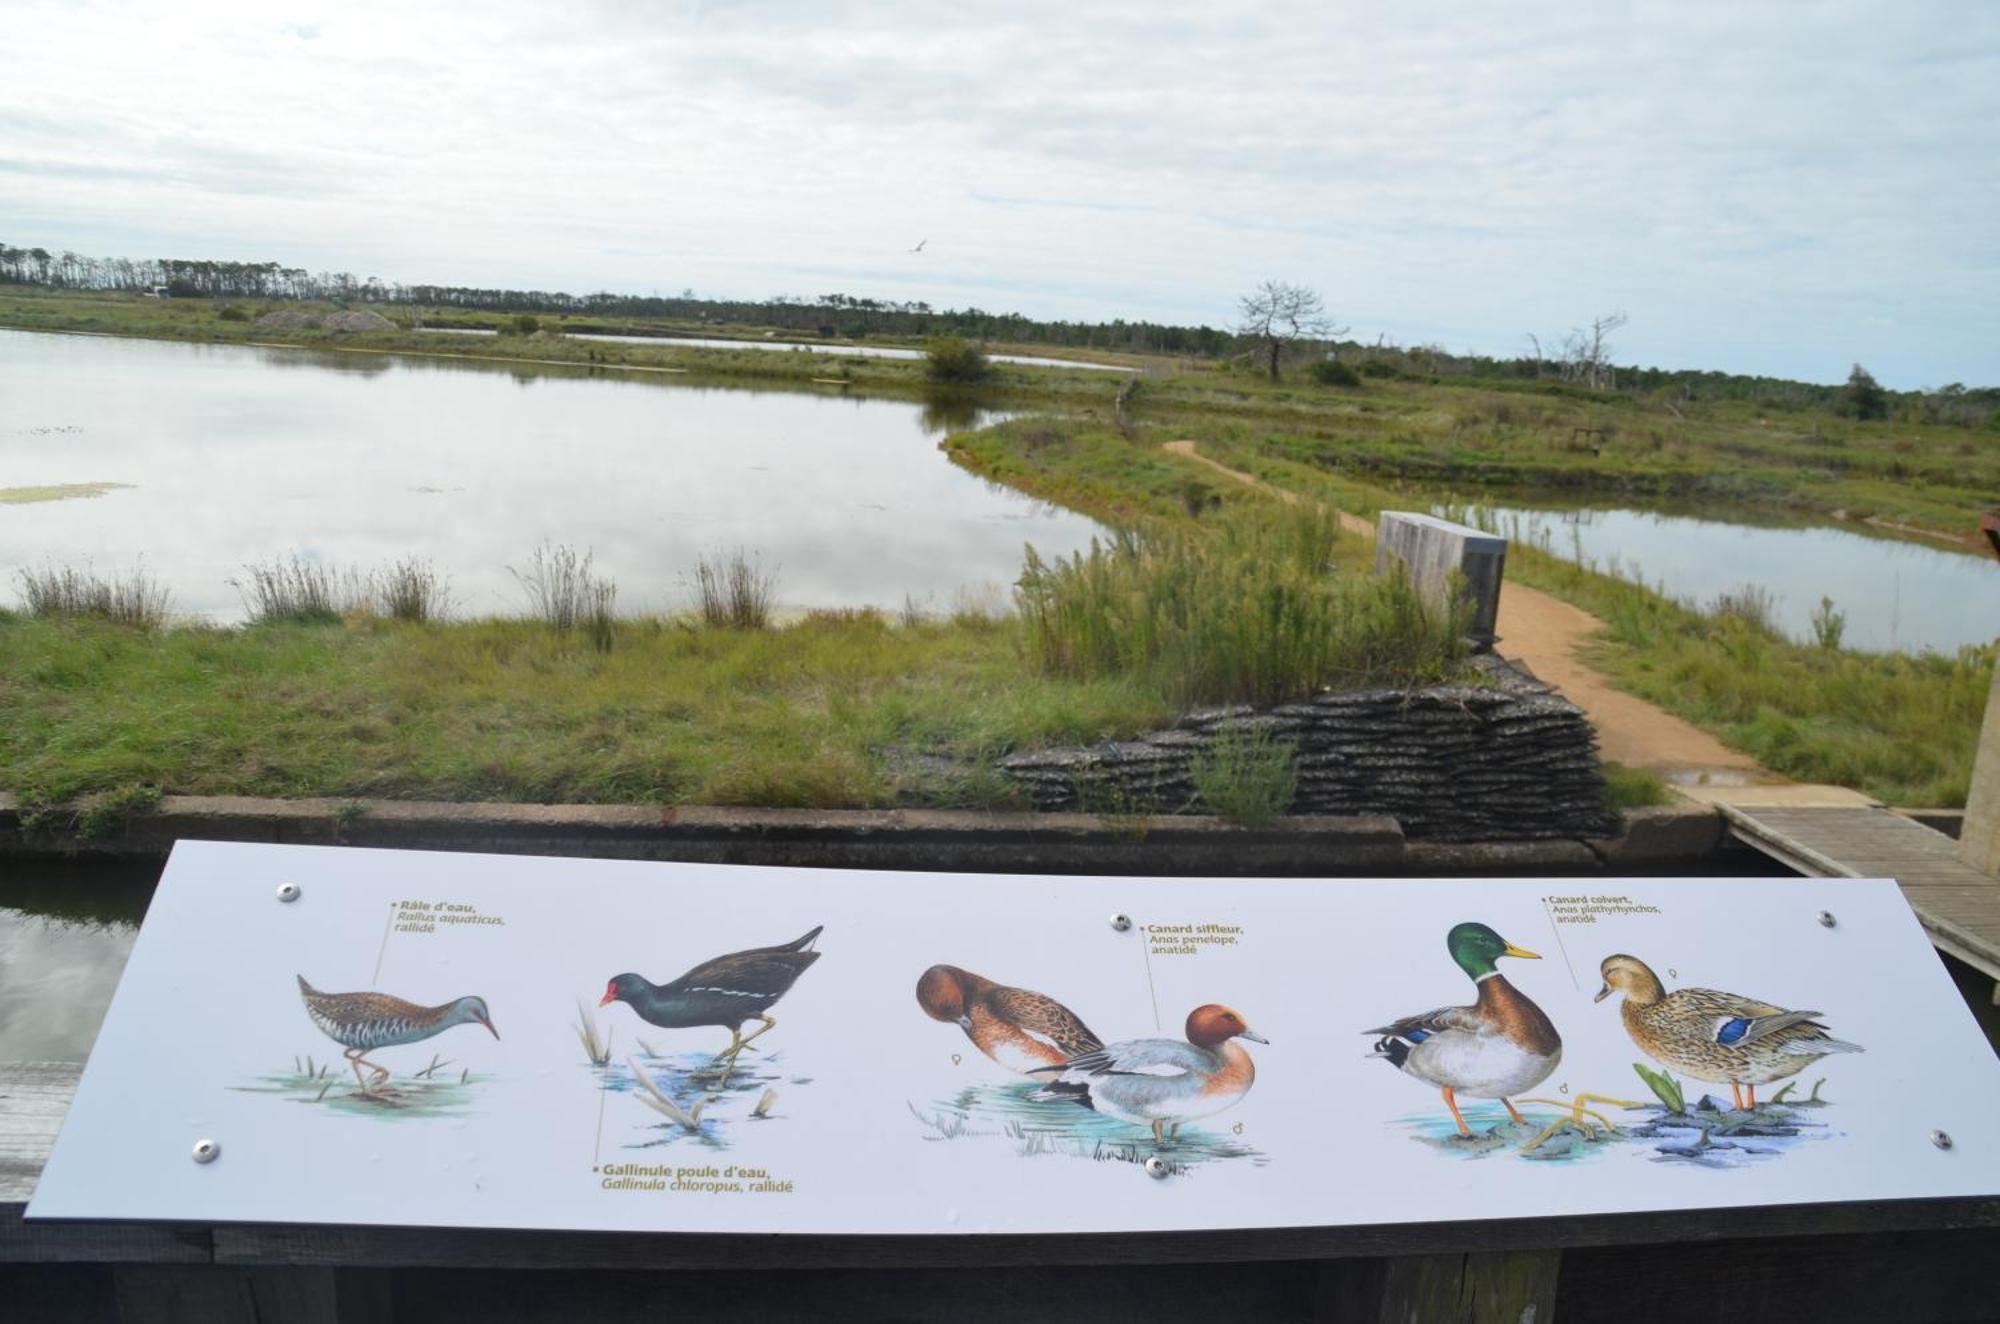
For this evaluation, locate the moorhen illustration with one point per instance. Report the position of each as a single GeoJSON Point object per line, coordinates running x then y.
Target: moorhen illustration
{"type": "Point", "coordinates": [726, 992]}
{"type": "Point", "coordinates": [1016, 1027]}
{"type": "Point", "coordinates": [1716, 1036]}
{"type": "Point", "coordinates": [363, 1022]}
{"type": "Point", "coordinates": [1502, 1045]}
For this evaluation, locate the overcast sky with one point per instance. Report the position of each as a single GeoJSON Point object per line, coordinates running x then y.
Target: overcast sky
{"type": "Point", "coordinates": [1781, 188]}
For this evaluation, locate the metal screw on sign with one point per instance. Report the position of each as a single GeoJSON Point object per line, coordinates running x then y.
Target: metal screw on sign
{"type": "Point", "coordinates": [288, 891]}
{"type": "Point", "coordinates": [1157, 1167]}
{"type": "Point", "coordinates": [1941, 1139]}
{"type": "Point", "coordinates": [1121, 922]}
{"type": "Point", "coordinates": [1826, 920]}
{"type": "Point", "coordinates": [206, 1151]}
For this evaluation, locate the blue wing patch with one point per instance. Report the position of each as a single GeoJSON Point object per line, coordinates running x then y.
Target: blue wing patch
{"type": "Point", "coordinates": [1418, 1036]}
{"type": "Point", "coordinates": [1731, 1031]}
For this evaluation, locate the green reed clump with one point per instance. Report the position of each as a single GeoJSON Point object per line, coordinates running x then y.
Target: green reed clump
{"type": "Point", "coordinates": [1249, 610]}
{"type": "Point", "coordinates": [411, 589]}
{"type": "Point", "coordinates": [301, 592]}
{"type": "Point", "coordinates": [733, 591]}
{"type": "Point", "coordinates": [566, 594]}
{"type": "Point", "coordinates": [134, 598]}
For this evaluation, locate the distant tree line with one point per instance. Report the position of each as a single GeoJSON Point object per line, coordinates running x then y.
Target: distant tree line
{"type": "Point", "coordinates": [1279, 321]}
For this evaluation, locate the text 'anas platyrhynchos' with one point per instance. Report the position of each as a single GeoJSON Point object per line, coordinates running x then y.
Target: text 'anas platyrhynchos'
{"type": "Point", "coordinates": [1016, 1027]}
{"type": "Point", "coordinates": [363, 1022]}
{"type": "Point", "coordinates": [1716, 1036]}
{"type": "Point", "coordinates": [726, 992]}
{"type": "Point", "coordinates": [1500, 1046]}
{"type": "Point", "coordinates": [1161, 1082]}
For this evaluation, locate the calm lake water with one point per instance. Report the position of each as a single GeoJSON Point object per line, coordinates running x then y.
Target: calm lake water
{"type": "Point", "coordinates": [841, 351]}
{"type": "Point", "coordinates": [65, 931]}
{"type": "Point", "coordinates": [237, 454]}
{"type": "Point", "coordinates": [1896, 594]}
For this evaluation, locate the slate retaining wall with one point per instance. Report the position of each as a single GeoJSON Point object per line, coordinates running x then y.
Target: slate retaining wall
{"type": "Point", "coordinates": [1502, 757]}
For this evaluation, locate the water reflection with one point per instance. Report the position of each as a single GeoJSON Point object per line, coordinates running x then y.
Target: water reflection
{"type": "Point", "coordinates": [1895, 594]}
{"type": "Point", "coordinates": [240, 454]}
{"type": "Point", "coordinates": [65, 932]}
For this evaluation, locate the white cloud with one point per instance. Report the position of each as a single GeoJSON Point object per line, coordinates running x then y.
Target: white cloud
{"type": "Point", "coordinates": [1781, 189]}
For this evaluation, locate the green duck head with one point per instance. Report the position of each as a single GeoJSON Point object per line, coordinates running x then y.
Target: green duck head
{"type": "Point", "coordinates": [1476, 947]}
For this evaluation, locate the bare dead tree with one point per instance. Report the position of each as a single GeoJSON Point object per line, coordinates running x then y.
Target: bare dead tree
{"type": "Point", "coordinates": [1278, 314]}
{"type": "Point", "coordinates": [1587, 353]}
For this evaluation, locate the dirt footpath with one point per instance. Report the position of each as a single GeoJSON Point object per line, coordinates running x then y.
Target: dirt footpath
{"type": "Point", "coordinates": [1547, 635]}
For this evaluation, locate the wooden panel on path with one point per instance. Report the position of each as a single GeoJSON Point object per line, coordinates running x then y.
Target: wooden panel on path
{"type": "Point", "coordinates": [1958, 905]}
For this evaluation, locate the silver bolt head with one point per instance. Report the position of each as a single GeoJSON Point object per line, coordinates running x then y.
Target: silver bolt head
{"type": "Point", "coordinates": [1157, 1167]}
{"type": "Point", "coordinates": [1826, 920]}
{"type": "Point", "coordinates": [206, 1151]}
{"type": "Point", "coordinates": [1941, 1139]}
{"type": "Point", "coordinates": [1121, 922]}
{"type": "Point", "coordinates": [288, 891]}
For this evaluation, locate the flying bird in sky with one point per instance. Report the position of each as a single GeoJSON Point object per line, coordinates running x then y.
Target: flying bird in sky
{"type": "Point", "coordinates": [920, 245]}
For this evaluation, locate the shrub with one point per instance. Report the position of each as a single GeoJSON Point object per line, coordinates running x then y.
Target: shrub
{"type": "Point", "coordinates": [1829, 624]}
{"type": "Point", "coordinates": [230, 312]}
{"type": "Point", "coordinates": [1752, 604]}
{"type": "Point", "coordinates": [954, 362]}
{"type": "Point", "coordinates": [522, 324]}
{"type": "Point", "coordinates": [1245, 608]}
{"type": "Point", "coordinates": [1246, 775]}
{"type": "Point", "coordinates": [1332, 372]}
{"type": "Point", "coordinates": [733, 593]}
{"type": "Point", "coordinates": [133, 599]}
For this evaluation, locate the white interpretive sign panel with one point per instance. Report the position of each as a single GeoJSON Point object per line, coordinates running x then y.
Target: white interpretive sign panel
{"type": "Point", "coordinates": [318, 1035]}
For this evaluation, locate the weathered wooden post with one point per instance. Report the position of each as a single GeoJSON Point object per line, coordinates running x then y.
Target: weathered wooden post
{"type": "Point", "coordinates": [1430, 549]}
{"type": "Point", "coordinates": [1979, 839]}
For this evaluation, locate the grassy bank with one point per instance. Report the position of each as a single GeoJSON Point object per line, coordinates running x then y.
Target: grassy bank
{"type": "Point", "coordinates": [835, 711]}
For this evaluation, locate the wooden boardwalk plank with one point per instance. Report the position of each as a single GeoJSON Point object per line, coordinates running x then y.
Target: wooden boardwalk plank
{"type": "Point", "coordinates": [1958, 905]}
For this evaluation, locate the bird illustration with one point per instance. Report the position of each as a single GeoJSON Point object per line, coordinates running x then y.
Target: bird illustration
{"type": "Point", "coordinates": [1498, 1047]}
{"type": "Point", "coordinates": [920, 245]}
{"type": "Point", "coordinates": [1716, 1036]}
{"type": "Point", "coordinates": [1161, 1083]}
{"type": "Point", "coordinates": [726, 992]}
{"type": "Point", "coordinates": [363, 1022]}
{"type": "Point", "coordinates": [1016, 1027]}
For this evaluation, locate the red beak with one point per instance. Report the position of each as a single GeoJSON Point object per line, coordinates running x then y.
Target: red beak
{"type": "Point", "coordinates": [607, 999]}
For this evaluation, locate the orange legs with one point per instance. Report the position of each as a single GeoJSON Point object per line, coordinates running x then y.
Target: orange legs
{"type": "Point", "coordinates": [1753, 1097]}
{"type": "Point", "coordinates": [1159, 1132]}
{"type": "Point", "coordinates": [1451, 1102]}
{"type": "Point", "coordinates": [1514, 1113]}
{"type": "Point", "coordinates": [357, 1061]}
{"type": "Point", "coordinates": [1736, 1092]}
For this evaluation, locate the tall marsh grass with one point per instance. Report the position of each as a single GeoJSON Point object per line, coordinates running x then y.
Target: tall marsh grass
{"type": "Point", "coordinates": [733, 591]}
{"type": "Point", "coordinates": [300, 591]}
{"type": "Point", "coordinates": [1247, 609]}
{"type": "Point", "coordinates": [566, 594]}
{"type": "Point", "coordinates": [134, 598]}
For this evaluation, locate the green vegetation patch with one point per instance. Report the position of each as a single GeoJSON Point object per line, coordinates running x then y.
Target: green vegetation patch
{"type": "Point", "coordinates": [836, 711]}
{"type": "Point", "coordinates": [21, 496]}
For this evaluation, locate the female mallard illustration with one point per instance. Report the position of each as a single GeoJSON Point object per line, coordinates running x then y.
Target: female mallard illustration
{"type": "Point", "coordinates": [1161, 1082]}
{"type": "Point", "coordinates": [727, 992]}
{"type": "Point", "coordinates": [1016, 1027]}
{"type": "Point", "coordinates": [363, 1022]}
{"type": "Point", "coordinates": [1716, 1036]}
{"type": "Point", "coordinates": [1498, 1047]}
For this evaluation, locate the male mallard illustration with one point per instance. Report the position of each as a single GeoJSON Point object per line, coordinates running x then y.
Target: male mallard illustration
{"type": "Point", "coordinates": [1716, 1036]}
{"type": "Point", "coordinates": [1500, 1046]}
